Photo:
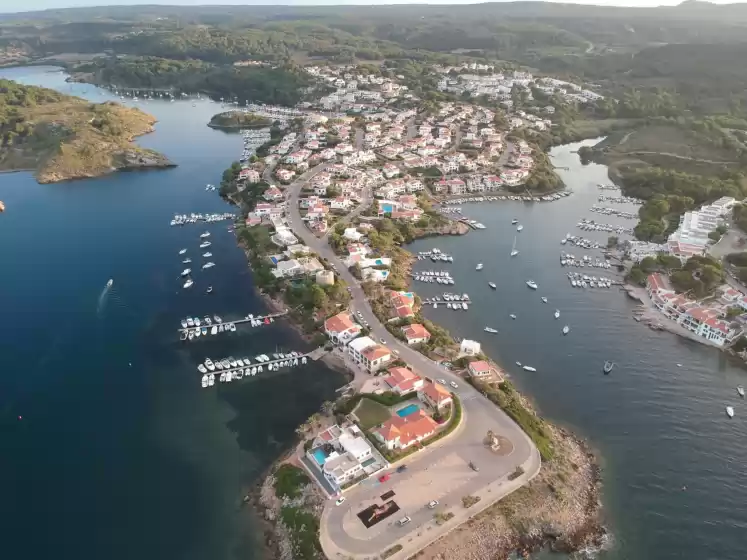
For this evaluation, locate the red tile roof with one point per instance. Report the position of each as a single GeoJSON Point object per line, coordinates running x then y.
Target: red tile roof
{"type": "Point", "coordinates": [415, 331]}
{"type": "Point", "coordinates": [480, 366]}
{"type": "Point", "coordinates": [436, 393]}
{"type": "Point", "coordinates": [413, 427]}
{"type": "Point", "coordinates": [373, 353]}
{"type": "Point", "coordinates": [339, 323]}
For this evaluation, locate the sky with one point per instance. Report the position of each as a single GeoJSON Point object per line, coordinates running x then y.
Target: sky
{"type": "Point", "coordinates": [28, 5]}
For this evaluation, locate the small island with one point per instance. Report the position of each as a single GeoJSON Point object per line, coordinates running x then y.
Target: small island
{"type": "Point", "coordinates": [61, 137]}
{"type": "Point", "coordinates": [238, 120]}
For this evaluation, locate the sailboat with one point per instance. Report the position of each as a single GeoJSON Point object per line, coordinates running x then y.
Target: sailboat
{"type": "Point", "coordinates": [514, 252]}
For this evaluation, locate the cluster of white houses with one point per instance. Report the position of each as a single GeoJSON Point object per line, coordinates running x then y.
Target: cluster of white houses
{"type": "Point", "coordinates": [706, 320]}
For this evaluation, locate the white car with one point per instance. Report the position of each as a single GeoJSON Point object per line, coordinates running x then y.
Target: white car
{"type": "Point", "coordinates": [454, 385]}
{"type": "Point", "coordinates": [340, 501]}
{"type": "Point", "coordinates": [432, 504]}
{"type": "Point", "coordinates": [404, 521]}
{"type": "Point", "coordinates": [442, 381]}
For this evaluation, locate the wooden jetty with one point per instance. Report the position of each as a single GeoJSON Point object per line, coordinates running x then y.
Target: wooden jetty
{"type": "Point", "coordinates": [225, 323]}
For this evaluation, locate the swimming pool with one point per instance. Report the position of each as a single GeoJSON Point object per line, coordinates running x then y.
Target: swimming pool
{"type": "Point", "coordinates": [320, 457]}
{"type": "Point", "coordinates": [409, 409]}
{"type": "Point", "coordinates": [387, 208]}
{"type": "Point", "coordinates": [368, 462]}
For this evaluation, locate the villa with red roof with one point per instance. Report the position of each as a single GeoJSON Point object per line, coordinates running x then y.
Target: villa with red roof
{"type": "Point", "coordinates": [435, 395]}
{"type": "Point", "coordinates": [402, 380]}
{"type": "Point", "coordinates": [401, 433]}
{"type": "Point", "coordinates": [416, 334]}
{"type": "Point", "coordinates": [341, 329]}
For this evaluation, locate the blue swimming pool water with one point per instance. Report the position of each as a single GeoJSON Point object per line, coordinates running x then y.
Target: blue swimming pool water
{"type": "Point", "coordinates": [387, 208]}
{"type": "Point", "coordinates": [409, 409]}
{"type": "Point", "coordinates": [379, 261]}
{"type": "Point", "coordinates": [368, 462]}
{"type": "Point", "coordinates": [319, 456]}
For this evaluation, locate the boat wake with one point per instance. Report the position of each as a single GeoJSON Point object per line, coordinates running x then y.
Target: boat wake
{"type": "Point", "coordinates": [107, 294]}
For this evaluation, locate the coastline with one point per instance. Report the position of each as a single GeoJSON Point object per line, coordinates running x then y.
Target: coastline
{"type": "Point", "coordinates": [565, 498]}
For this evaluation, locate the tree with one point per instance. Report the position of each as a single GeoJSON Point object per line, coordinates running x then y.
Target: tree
{"type": "Point", "coordinates": [612, 241]}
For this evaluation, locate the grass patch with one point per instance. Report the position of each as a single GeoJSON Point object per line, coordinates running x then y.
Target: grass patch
{"type": "Point", "coordinates": [370, 413]}
{"type": "Point", "coordinates": [304, 530]}
{"type": "Point", "coordinates": [391, 551]}
{"type": "Point", "coordinates": [508, 400]}
{"type": "Point", "coordinates": [289, 480]}
{"type": "Point", "coordinates": [442, 518]}
{"type": "Point", "coordinates": [469, 500]}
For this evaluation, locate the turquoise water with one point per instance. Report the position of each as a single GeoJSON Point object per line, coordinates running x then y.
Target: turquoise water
{"type": "Point", "coordinates": [320, 457]}
{"type": "Point", "coordinates": [109, 447]}
{"type": "Point", "coordinates": [406, 411]}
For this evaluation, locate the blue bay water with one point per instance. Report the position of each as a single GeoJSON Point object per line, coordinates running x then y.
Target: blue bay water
{"type": "Point", "coordinates": [110, 448]}
{"type": "Point", "coordinates": [113, 461]}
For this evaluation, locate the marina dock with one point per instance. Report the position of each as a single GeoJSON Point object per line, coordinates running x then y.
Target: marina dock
{"type": "Point", "coordinates": [256, 321]}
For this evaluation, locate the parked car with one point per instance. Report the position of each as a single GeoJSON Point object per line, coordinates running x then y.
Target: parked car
{"type": "Point", "coordinates": [404, 521]}
{"type": "Point", "coordinates": [453, 384]}
{"type": "Point", "coordinates": [432, 504]}
{"type": "Point", "coordinates": [442, 381]}
{"type": "Point", "coordinates": [402, 468]}
{"type": "Point", "coordinates": [340, 501]}
{"type": "Point", "coordinates": [384, 477]}
{"type": "Point", "coordinates": [382, 341]}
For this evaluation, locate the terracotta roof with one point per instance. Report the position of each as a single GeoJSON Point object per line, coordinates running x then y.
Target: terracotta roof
{"type": "Point", "coordinates": [411, 428]}
{"type": "Point", "coordinates": [436, 393]}
{"type": "Point", "coordinates": [402, 378]}
{"type": "Point", "coordinates": [339, 323]}
{"type": "Point", "coordinates": [415, 331]}
{"type": "Point", "coordinates": [375, 352]}
{"type": "Point", "coordinates": [480, 366]}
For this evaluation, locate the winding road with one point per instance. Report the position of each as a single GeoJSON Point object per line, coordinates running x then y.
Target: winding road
{"type": "Point", "coordinates": [446, 463]}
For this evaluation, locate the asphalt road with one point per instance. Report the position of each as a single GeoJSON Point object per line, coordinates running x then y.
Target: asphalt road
{"type": "Point", "coordinates": [480, 415]}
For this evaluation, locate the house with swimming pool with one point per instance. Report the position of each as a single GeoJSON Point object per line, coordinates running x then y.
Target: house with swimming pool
{"type": "Point", "coordinates": [342, 455]}
{"type": "Point", "coordinates": [406, 427]}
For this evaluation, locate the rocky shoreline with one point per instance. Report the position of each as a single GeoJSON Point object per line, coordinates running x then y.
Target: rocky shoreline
{"type": "Point", "coordinates": [136, 159]}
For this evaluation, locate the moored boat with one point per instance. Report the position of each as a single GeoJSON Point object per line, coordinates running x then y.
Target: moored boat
{"type": "Point", "coordinates": [532, 284]}
{"type": "Point", "coordinates": [529, 368]}
{"type": "Point", "coordinates": [490, 330]}
{"type": "Point", "coordinates": [566, 329]}
{"type": "Point", "coordinates": [492, 285]}
{"type": "Point", "coordinates": [608, 366]}
{"type": "Point", "coordinates": [730, 412]}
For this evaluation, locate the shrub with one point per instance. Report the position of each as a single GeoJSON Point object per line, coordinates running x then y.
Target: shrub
{"type": "Point", "coordinates": [289, 480]}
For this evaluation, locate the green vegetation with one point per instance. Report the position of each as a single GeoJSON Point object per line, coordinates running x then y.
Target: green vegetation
{"type": "Point", "coordinates": [391, 551]}
{"type": "Point", "coordinates": [387, 398]}
{"type": "Point", "coordinates": [739, 263]}
{"type": "Point", "coordinates": [510, 402]}
{"type": "Point", "coordinates": [281, 85]}
{"type": "Point", "coordinates": [468, 501]}
{"type": "Point", "coordinates": [304, 532]}
{"type": "Point", "coordinates": [63, 137]}
{"type": "Point", "coordinates": [289, 480]}
{"type": "Point", "coordinates": [370, 413]}
{"type": "Point", "coordinates": [238, 120]}
{"type": "Point", "coordinates": [739, 214]}
{"type": "Point", "coordinates": [442, 517]}
{"type": "Point", "coordinates": [698, 277]}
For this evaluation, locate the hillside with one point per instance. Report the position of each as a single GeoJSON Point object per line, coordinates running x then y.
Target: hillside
{"type": "Point", "coordinates": [238, 120]}
{"type": "Point", "coordinates": [60, 137]}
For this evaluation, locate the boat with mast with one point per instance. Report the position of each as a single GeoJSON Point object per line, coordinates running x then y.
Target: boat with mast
{"type": "Point", "coordinates": [514, 252]}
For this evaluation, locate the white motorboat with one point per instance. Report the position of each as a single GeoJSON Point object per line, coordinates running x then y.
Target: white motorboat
{"type": "Point", "coordinates": [479, 266]}
{"type": "Point", "coordinates": [492, 285]}
{"type": "Point", "coordinates": [557, 314]}
{"type": "Point", "coordinates": [181, 252]}
{"type": "Point", "coordinates": [514, 221]}
{"type": "Point", "coordinates": [198, 333]}
{"type": "Point", "coordinates": [730, 412]}
{"type": "Point", "coordinates": [512, 316]}
{"type": "Point", "coordinates": [201, 368]}
{"type": "Point", "coordinates": [197, 321]}
{"type": "Point", "coordinates": [186, 271]}
{"type": "Point", "coordinates": [740, 390]}
{"type": "Point", "coordinates": [214, 330]}
{"type": "Point", "coordinates": [514, 252]}
{"type": "Point", "coordinates": [239, 362]}
{"type": "Point", "coordinates": [222, 377]}
{"type": "Point", "coordinates": [184, 323]}
{"type": "Point", "coordinates": [188, 283]}
{"type": "Point", "coordinates": [518, 364]}
{"type": "Point", "coordinates": [205, 244]}
{"type": "Point", "coordinates": [544, 299]}
{"type": "Point", "coordinates": [233, 327]}
{"type": "Point", "coordinates": [186, 261]}
{"type": "Point", "coordinates": [211, 379]}
{"type": "Point", "coordinates": [209, 290]}
{"type": "Point", "coordinates": [205, 381]}
{"type": "Point", "coordinates": [519, 227]}
{"type": "Point", "coordinates": [232, 361]}
{"type": "Point", "coordinates": [532, 284]}
{"type": "Point", "coordinates": [247, 361]}
{"type": "Point", "coordinates": [218, 365]}
{"type": "Point", "coordinates": [529, 368]}
{"type": "Point", "coordinates": [490, 330]}
{"type": "Point", "coordinates": [110, 283]}
{"type": "Point", "coordinates": [566, 329]}
{"type": "Point", "coordinates": [191, 335]}
{"type": "Point", "coordinates": [207, 255]}
{"type": "Point", "coordinates": [208, 265]}
{"type": "Point", "coordinates": [254, 370]}
{"type": "Point", "coordinates": [190, 322]}
{"type": "Point", "coordinates": [204, 235]}
{"type": "Point", "coordinates": [210, 365]}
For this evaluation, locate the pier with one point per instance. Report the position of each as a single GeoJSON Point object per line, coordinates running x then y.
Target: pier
{"type": "Point", "coordinates": [264, 319]}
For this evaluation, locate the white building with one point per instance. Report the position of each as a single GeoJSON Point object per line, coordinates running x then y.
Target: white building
{"type": "Point", "coordinates": [470, 347]}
